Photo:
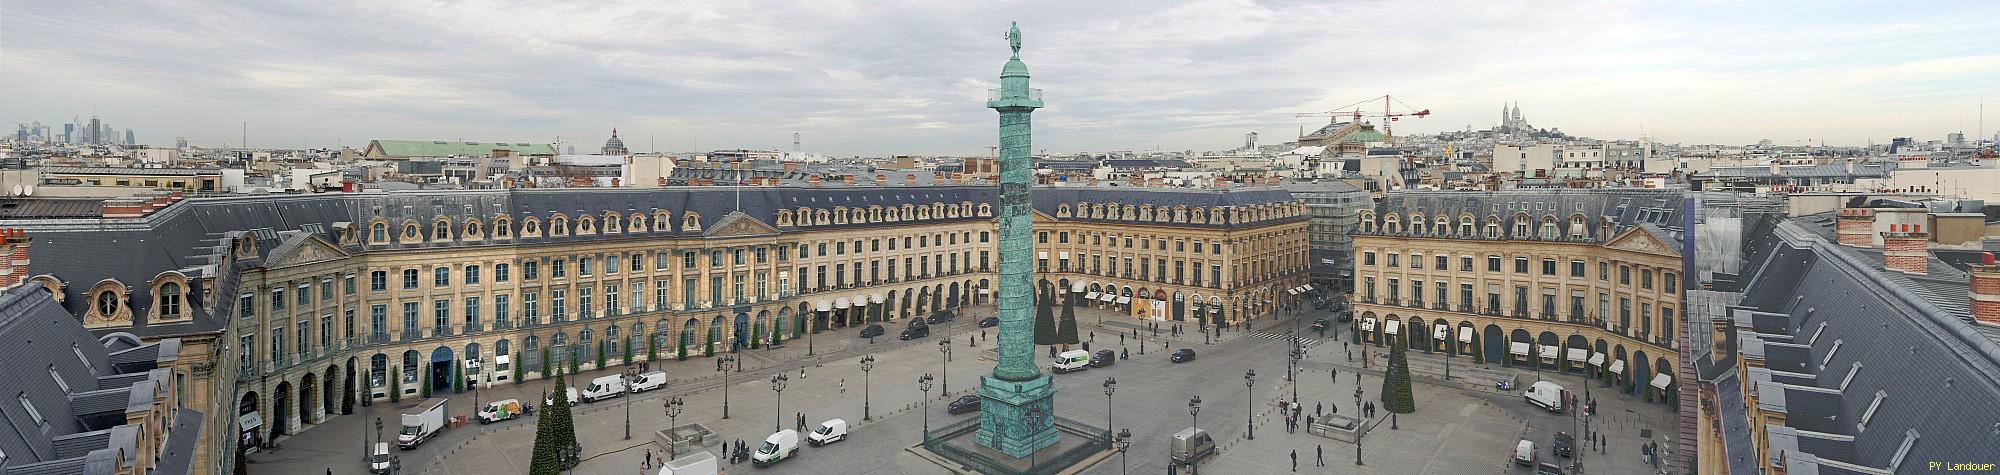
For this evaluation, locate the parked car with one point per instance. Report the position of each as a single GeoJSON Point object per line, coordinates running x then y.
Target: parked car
{"type": "Point", "coordinates": [1546, 468]}
{"type": "Point", "coordinates": [940, 316]}
{"type": "Point", "coordinates": [379, 460]}
{"type": "Point", "coordinates": [1103, 358]}
{"type": "Point", "coordinates": [779, 446]}
{"type": "Point", "coordinates": [964, 404]}
{"type": "Point", "coordinates": [551, 400]}
{"type": "Point", "coordinates": [1182, 355]}
{"type": "Point", "coordinates": [604, 387]}
{"type": "Point", "coordinates": [989, 322]}
{"type": "Point", "coordinates": [1320, 324]}
{"type": "Point", "coordinates": [1190, 445]}
{"type": "Point", "coordinates": [1565, 444]}
{"type": "Point", "coordinates": [871, 331]}
{"type": "Point", "coordinates": [915, 332]}
{"type": "Point", "coordinates": [649, 381]}
{"type": "Point", "coordinates": [501, 410]}
{"type": "Point", "coordinates": [1344, 316]}
{"type": "Point", "coordinates": [1524, 453]}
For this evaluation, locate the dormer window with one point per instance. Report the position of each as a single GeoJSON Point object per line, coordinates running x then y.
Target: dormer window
{"type": "Point", "coordinates": [501, 228]}
{"type": "Point", "coordinates": [410, 231]}
{"type": "Point", "coordinates": [107, 303]}
{"type": "Point", "coordinates": [378, 233]}
{"type": "Point", "coordinates": [169, 300]}
{"type": "Point", "coordinates": [441, 231]}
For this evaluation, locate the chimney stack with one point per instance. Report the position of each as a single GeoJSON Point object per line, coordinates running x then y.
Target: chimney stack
{"type": "Point", "coordinates": [813, 181]}
{"type": "Point", "coordinates": [13, 257]}
{"type": "Point", "coordinates": [1906, 248]}
{"type": "Point", "coordinates": [1985, 290]}
{"type": "Point", "coordinates": [1853, 228]}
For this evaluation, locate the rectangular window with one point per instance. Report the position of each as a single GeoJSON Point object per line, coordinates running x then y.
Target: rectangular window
{"type": "Point", "coordinates": [1646, 279]}
{"type": "Point", "coordinates": [325, 289]}
{"type": "Point", "coordinates": [1443, 263]}
{"type": "Point", "coordinates": [1493, 263]}
{"type": "Point", "coordinates": [584, 266]}
{"type": "Point", "coordinates": [660, 260]}
{"type": "Point", "coordinates": [558, 269]}
{"type": "Point", "coordinates": [1465, 263]}
{"type": "Point", "coordinates": [687, 258]}
{"type": "Point", "coordinates": [1520, 265]}
{"type": "Point", "coordinates": [500, 273]}
{"type": "Point", "coordinates": [714, 290]}
{"type": "Point", "coordinates": [1624, 275]}
{"type": "Point", "coordinates": [1673, 286]}
{"type": "Point", "coordinates": [304, 298]}
{"type": "Point", "coordinates": [638, 262]}
{"type": "Point", "coordinates": [611, 299]}
{"type": "Point", "coordinates": [531, 308]}
{"type": "Point", "coordinates": [277, 300]}
{"type": "Point", "coordinates": [1603, 271]}
{"type": "Point", "coordinates": [1416, 261]}
{"type": "Point", "coordinates": [378, 319]}
{"type": "Point", "coordinates": [441, 316]}
{"type": "Point", "coordinates": [378, 281]}
{"type": "Point", "coordinates": [1367, 257]}
{"type": "Point", "coordinates": [558, 305]}
{"type": "Point", "coordinates": [409, 318]}
{"type": "Point", "coordinates": [471, 276]}
{"type": "Point", "coordinates": [441, 277]}
{"type": "Point", "coordinates": [737, 257]}
{"type": "Point", "coordinates": [531, 270]}
{"type": "Point", "coordinates": [583, 300]}
{"type": "Point", "coordinates": [502, 308]}
{"type": "Point", "coordinates": [660, 297]}
{"type": "Point", "coordinates": [736, 288]}
{"type": "Point", "coordinates": [611, 264]}
{"type": "Point", "coordinates": [715, 258]}
{"type": "Point", "coordinates": [1576, 268]}
{"type": "Point", "coordinates": [1548, 267]}
{"type": "Point", "coordinates": [1392, 260]}
{"type": "Point", "coordinates": [471, 312]}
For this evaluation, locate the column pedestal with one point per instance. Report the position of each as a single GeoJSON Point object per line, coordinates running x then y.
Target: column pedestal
{"type": "Point", "coordinates": [1003, 410]}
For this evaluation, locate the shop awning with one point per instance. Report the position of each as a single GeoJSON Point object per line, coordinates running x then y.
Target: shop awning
{"type": "Point", "coordinates": [1443, 332]}
{"type": "Point", "coordinates": [861, 300]}
{"type": "Point", "coordinates": [1043, 254]}
{"type": "Point", "coordinates": [1549, 352]}
{"type": "Point", "coordinates": [1465, 334]}
{"type": "Point", "coordinates": [1577, 354]}
{"type": "Point", "coordinates": [1077, 287]}
{"type": "Point", "coordinates": [1393, 326]}
{"type": "Point", "coordinates": [1123, 299]}
{"type": "Point", "coordinates": [1064, 254]}
{"type": "Point", "coordinates": [1092, 295]}
{"type": "Point", "coordinates": [1109, 297]}
{"type": "Point", "coordinates": [841, 303]}
{"type": "Point", "coordinates": [823, 306]}
{"type": "Point", "coordinates": [1618, 367]}
{"type": "Point", "coordinates": [1368, 324]}
{"type": "Point", "coordinates": [1519, 348]}
{"type": "Point", "coordinates": [502, 359]}
{"type": "Point", "coordinates": [877, 298]}
{"type": "Point", "coordinates": [1293, 291]}
{"type": "Point", "coordinates": [249, 421]}
{"type": "Point", "coordinates": [1309, 286]}
{"type": "Point", "coordinates": [1596, 359]}
{"type": "Point", "coordinates": [1661, 380]}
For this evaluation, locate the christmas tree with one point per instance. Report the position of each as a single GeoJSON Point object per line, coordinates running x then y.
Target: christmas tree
{"type": "Point", "coordinates": [1396, 395]}
{"type": "Point", "coordinates": [1066, 329]}
{"type": "Point", "coordinates": [555, 435]}
{"type": "Point", "coordinates": [1045, 319]}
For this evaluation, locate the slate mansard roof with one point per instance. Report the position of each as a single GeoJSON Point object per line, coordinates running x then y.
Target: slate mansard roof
{"type": "Point", "coordinates": [64, 395]}
{"type": "Point", "coordinates": [195, 237]}
{"type": "Point", "coordinates": [1877, 371]}
{"type": "Point", "coordinates": [1658, 211]}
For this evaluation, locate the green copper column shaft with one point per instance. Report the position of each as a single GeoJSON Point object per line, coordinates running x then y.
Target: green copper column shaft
{"type": "Point", "coordinates": [1015, 103]}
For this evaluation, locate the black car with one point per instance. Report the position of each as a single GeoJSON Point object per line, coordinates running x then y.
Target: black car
{"type": "Point", "coordinates": [989, 322]}
{"type": "Point", "coordinates": [940, 317]}
{"type": "Point", "coordinates": [871, 331]}
{"type": "Point", "coordinates": [1346, 317]}
{"type": "Point", "coordinates": [1182, 355]}
{"type": "Point", "coordinates": [1320, 324]}
{"type": "Point", "coordinates": [1565, 444]}
{"type": "Point", "coordinates": [964, 404]}
{"type": "Point", "coordinates": [1103, 358]}
{"type": "Point", "coordinates": [915, 332]}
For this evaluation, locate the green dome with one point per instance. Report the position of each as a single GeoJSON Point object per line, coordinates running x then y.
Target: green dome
{"type": "Point", "coordinates": [1014, 67]}
{"type": "Point", "coordinates": [1366, 134]}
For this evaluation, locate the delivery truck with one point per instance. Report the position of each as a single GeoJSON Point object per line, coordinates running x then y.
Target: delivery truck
{"type": "Point", "coordinates": [604, 387]}
{"type": "Point", "coordinates": [699, 463]}
{"type": "Point", "coordinates": [501, 410]}
{"type": "Point", "coordinates": [426, 422]}
{"type": "Point", "coordinates": [1547, 395]}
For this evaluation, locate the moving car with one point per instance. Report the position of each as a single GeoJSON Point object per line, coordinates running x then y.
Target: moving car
{"type": "Point", "coordinates": [604, 387]}
{"type": "Point", "coordinates": [1182, 355]}
{"type": "Point", "coordinates": [1190, 445]}
{"type": "Point", "coordinates": [964, 404]}
{"type": "Point", "coordinates": [501, 410]}
{"type": "Point", "coordinates": [1072, 360]}
{"type": "Point", "coordinates": [989, 322]}
{"type": "Point", "coordinates": [1103, 358]}
{"type": "Point", "coordinates": [650, 381]}
{"type": "Point", "coordinates": [915, 332]}
{"type": "Point", "coordinates": [779, 446]}
{"type": "Point", "coordinates": [1565, 444]}
{"type": "Point", "coordinates": [1345, 316]}
{"type": "Point", "coordinates": [871, 331]}
{"type": "Point", "coordinates": [379, 460]}
{"type": "Point", "coordinates": [1320, 324]}
{"type": "Point", "coordinates": [833, 430]}
{"type": "Point", "coordinates": [1524, 453]}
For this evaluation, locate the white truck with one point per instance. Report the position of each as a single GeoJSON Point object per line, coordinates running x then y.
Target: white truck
{"type": "Point", "coordinates": [833, 430]}
{"type": "Point", "coordinates": [1547, 395]}
{"type": "Point", "coordinates": [419, 427]}
{"type": "Point", "coordinates": [700, 463]}
{"type": "Point", "coordinates": [1072, 360]}
{"type": "Point", "coordinates": [604, 387]}
{"type": "Point", "coordinates": [779, 446]}
{"type": "Point", "coordinates": [649, 381]}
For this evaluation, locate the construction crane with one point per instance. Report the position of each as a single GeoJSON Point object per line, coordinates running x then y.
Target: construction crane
{"type": "Point", "coordinates": [1389, 113]}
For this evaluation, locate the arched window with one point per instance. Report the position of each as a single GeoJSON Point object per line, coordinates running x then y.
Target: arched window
{"type": "Point", "coordinates": [441, 230]}
{"type": "Point", "coordinates": [378, 233]}
{"type": "Point", "coordinates": [501, 228]}
{"type": "Point", "coordinates": [1549, 228]}
{"type": "Point", "coordinates": [1492, 227]}
{"type": "Point", "coordinates": [170, 300]}
{"type": "Point", "coordinates": [1465, 226]}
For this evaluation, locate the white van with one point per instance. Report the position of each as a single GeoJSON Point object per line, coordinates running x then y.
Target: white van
{"type": "Point", "coordinates": [1072, 360]}
{"type": "Point", "coordinates": [828, 432]}
{"type": "Point", "coordinates": [650, 381]}
{"type": "Point", "coordinates": [1547, 395]}
{"type": "Point", "coordinates": [1524, 452]}
{"type": "Point", "coordinates": [379, 460]}
{"type": "Point", "coordinates": [551, 401]}
{"type": "Point", "coordinates": [604, 387]}
{"type": "Point", "coordinates": [701, 463]}
{"type": "Point", "coordinates": [779, 446]}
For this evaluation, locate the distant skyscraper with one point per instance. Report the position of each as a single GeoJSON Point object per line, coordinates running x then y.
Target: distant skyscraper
{"type": "Point", "coordinates": [95, 134]}
{"type": "Point", "coordinates": [180, 143]}
{"type": "Point", "coordinates": [21, 133]}
{"type": "Point", "coordinates": [128, 137]}
{"type": "Point", "coordinates": [69, 133]}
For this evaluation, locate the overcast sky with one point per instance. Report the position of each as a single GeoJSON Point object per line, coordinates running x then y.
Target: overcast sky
{"type": "Point", "coordinates": [888, 77]}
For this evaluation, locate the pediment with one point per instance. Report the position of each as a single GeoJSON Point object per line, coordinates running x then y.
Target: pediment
{"type": "Point", "coordinates": [738, 224]}
{"type": "Point", "coordinates": [1038, 215]}
{"type": "Point", "coordinates": [305, 249]}
{"type": "Point", "coordinates": [1638, 239]}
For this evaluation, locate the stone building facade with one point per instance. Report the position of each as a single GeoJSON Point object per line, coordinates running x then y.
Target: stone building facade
{"type": "Point", "coordinates": [301, 300]}
{"type": "Point", "coordinates": [1589, 282]}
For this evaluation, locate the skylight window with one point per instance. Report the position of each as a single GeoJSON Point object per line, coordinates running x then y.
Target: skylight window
{"type": "Point", "coordinates": [1829, 354]}
{"type": "Point", "coordinates": [1870, 413]}
{"type": "Point", "coordinates": [59, 379]}
{"type": "Point", "coordinates": [32, 413]}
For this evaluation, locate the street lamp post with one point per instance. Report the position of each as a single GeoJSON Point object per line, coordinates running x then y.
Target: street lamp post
{"type": "Point", "coordinates": [924, 384]}
{"type": "Point", "coordinates": [722, 366]}
{"type": "Point", "coordinates": [778, 386]}
{"type": "Point", "coordinates": [1194, 411]}
{"type": "Point", "coordinates": [1110, 386]}
{"type": "Point", "coordinates": [944, 347]}
{"type": "Point", "coordinates": [867, 365]}
{"type": "Point", "coordinates": [1124, 441]}
{"type": "Point", "coordinates": [1357, 412]}
{"type": "Point", "coordinates": [630, 373]}
{"type": "Point", "coordinates": [1249, 403]}
{"type": "Point", "coordinates": [1035, 418]}
{"type": "Point", "coordinates": [673, 409]}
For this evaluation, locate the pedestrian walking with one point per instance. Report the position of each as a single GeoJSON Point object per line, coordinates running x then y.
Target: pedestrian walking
{"type": "Point", "coordinates": [1295, 460]}
{"type": "Point", "coordinates": [1320, 454]}
{"type": "Point", "coordinates": [1319, 408]}
{"type": "Point", "coordinates": [802, 372]}
{"type": "Point", "coordinates": [1093, 335]}
{"type": "Point", "coordinates": [971, 342]}
{"type": "Point", "coordinates": [1121, 338]}
{"type": "Point", "coordinates": [982, 334]}
{"type": "Point", "coordinates": [644, 463]}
